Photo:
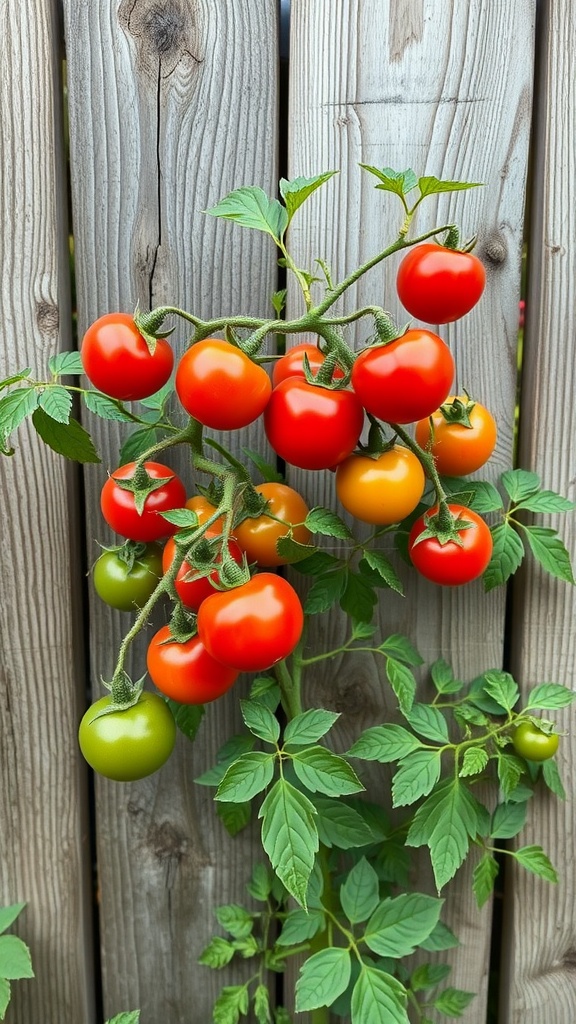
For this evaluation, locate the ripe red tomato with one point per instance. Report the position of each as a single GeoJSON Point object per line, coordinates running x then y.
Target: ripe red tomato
{"type": "Point", "coordinates": [185, 672]}
{"type": "Point", "coordinates": [312, 427]}
{"type": "Point", "coordinates": [458, 449]}
{"type": "Point", "coordinates": [254, 625]}
{"type": "Point", "coordinates": [119, 509]}
{"type": "Point", "coordinates": [452, 564]}
{"type": "Point", "coordinates": [117, 360]}
{"type": "Point", "coordinates": [220, 386]}
{"type": "Point", "coordinates": [439, 285]}
{"type": "Point", "coordinates": [405, 380]}
{"type": "Point", "coordinates": [194, 590]}
{"type": "Point", "coordinates": [382, 490]}
{"type": "Point", "coordinates": [533, 743]}
{"type": "Point", "coordinates": [258, 537]}
{"type": "Point", "coordinates": [292, 364]}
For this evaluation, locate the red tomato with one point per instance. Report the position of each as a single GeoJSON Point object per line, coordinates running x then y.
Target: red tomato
{"type": "Point", "coordinates": [254, 625]}
{"type": "Point", "coordinates": [186, 672]}
{"type": "Point", "coordinates": [405, 380]}
{"type": "Point", "coordinates": [193, 591]}
{"type": "Point", "coordinates": [220, 386]}
{"type": "Point", "coordinates": [383, 490]}
{"type": "Point", "coordinates": [452, 564]}
{"type": "Point", "coordinates": [117, 360]}
{"type": "Point", "coordinates": [287, 511]}
{"type": "Point", "coordinates": [119, 508]}
{"type": "Point", "coordinates": [312, 427]}
{"type": "Point", "coordinates": [458, 449]}
{"type": "Point", "coordinates": [439, 285]}
{"type": "Point", "coordinates": [292, 364]}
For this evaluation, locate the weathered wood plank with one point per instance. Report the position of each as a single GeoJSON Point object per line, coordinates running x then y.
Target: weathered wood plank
{"type": "Point", "coordinates": [540, 938]}
{"type": "Point", "coordinates": [366, 88]}
{"type": "Point", "coordinates": [171, 106]}
{"type": "Point", "coordinates": [44, 846]}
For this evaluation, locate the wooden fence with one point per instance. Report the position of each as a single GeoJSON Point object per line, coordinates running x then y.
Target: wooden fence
{"type": "Point", "coordinates": [170, 105]}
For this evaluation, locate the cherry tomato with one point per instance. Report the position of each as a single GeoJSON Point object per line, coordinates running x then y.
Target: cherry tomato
{"type": "Point", "coordinates": [220, 386]}
{"type": "Point", "coordinates": [458, 449]}
{"type": "Point", "coordinates": [381, 490]}
{"type": "Point", "coordinates": [130, 744]}
{"type": "Point", "coordinates": [117, 360]}
{"type": "Point", "coordinates": [193, 591]}
{"type": "Point", "coordinates": [185, 672]}
{"type": "Point", "coordinates": [452, 564]}
{"type": "Point", "coordinates": [310, 426]}
{"type": "Point", "coordinates": [405, 380]}
{"type": "Point", "coordinates": [128, 586]}
{"type": "Point", "coordinates": [203, 509]}
{"type": "Point", "coordinates": [254, 625]}
{"type": "Point", "coordinates": [119, 509]}
{"type": "Point", "coordinates": [439, 285]}
{"type": "Point", "coordinates": [292, 364]}
{"type": "Point", "coordinates": [287, 511]}
{"type": "Point", "coordinates": [533, 743]}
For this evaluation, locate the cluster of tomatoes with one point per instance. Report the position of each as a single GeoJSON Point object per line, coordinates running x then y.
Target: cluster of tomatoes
{"type": "Point", "coordinates": [310, 425]}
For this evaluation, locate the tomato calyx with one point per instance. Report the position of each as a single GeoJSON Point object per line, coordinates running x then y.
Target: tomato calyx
{"type": "Point", "coordinates": [149, 326]}
{"type": "Point", "coordinates": [444, 526]}
{"type": "Point", "coordinates": [141, 485]}
{"type": "Point", "coordinates": [182, 626]}
{"type": "Point", "coordinates": [458, 411]}
{"type": "Point", "coordinates": [125, 693]}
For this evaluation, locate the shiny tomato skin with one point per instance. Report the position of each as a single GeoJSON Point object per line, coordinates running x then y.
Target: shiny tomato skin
{"type": "Point", "coordinates": [533, 743]}
{"type": "Point", "coordinates": [381, 491]}
{"type": "Point", "coordinates": [124, 588]}
{"type": "Point", "coordinates": [117, 360]}
{"type": "Point", "coordinates": [312, 427]}
{"type": "Point", "coordinates": [131, 744]}
{"type": "Point", "coordinates": [193, 591]}
{"type": "Point", "coordinates": [185, 672]}
{"type": "Point", "coordinates": [204, 510]}
{"type": "Point", "coordinates": [405, 380]}
{"type": "Point", "coordinates": [253, 626]}
{"type": "Point", "coordinates": [450, 564]}
{"type": "Point", "coordinates": [292, 363]}
{"type": "Point", "coordinates": [119, 509]}
{"type": "Point", "coordinates": [220, 386]}
{"type": "Point", "coordinates": [258, 537]}
{"type": "Point", "coordinates": [458, 449]}
{"type": "Point", "coordinates": [439, 285]}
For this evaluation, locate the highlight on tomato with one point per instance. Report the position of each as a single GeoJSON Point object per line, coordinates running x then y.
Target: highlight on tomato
{"type": "Point", "coordinates": [258, 536]}
{"type": "Point", "coordinates": [381, 490]}
{"type": "Point", "coordinates": [128, 744]}
{"type": "Point", "coordinates": [458, 560]}
{"type": "Point", "coordinates": [292, 363]}
{"type": "Point", "coordinates": [310, 426]}
{"type": "Point", "coordinates": [119, 505]}
{"type": "Point", "coordinates": [190, 585]}
{"type": "Point", "coordinates": [439, 285]}
{"type": "Point", "coordinates": [253, 626]}
{"type": "Point", "coordinates": [186, 672]}
{"type": "Point", "coordinates": [118, 361]}
{"type": "Point", "coordinates": [126, 581]}
{"type": "Point", "coordinates": [220, 386]}
{"type": "Point", "coordinates": [461, 435]}
{"type": "Point", "coordinates": [406, 379]}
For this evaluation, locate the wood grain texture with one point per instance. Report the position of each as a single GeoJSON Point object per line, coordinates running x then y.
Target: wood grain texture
{"type": "Point", "coordinates": [44, 845]}
{"type": "Point", "coordinates": [417, 85]}
{"type": "Point", "coordinates": [540, 939]}
{"type": "Point", "coordinates": [171, 106]}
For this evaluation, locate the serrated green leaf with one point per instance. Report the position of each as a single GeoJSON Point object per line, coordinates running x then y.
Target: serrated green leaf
{"type": "Point", "coordinates": [502, 688]}
{"type": "Point", "coordinates": [483, 878]}
{"type": "Point", "coordinates": [105, 407]}
{"type": "Point", "coordinates": [265, 690]}
{"type": "Point", "coordinates": [453, 1001]}
{"type": "Point", "coordinates": [267, 471]}
{"type": "Point", "coordinates": [15, 407]}
{"type": "Point", "coordinates": [322, 771]}
{"type": "Point", "coordinates": [183, 518]}
{"type": "Point", "coordinates": [281, 1016]}
{"type": "Point", "coordinates": [246, 777]}
{"type": "Point", "coordinates": [66, 364]}
{"type": "Point", "coordinates": [326, 522]}
{"type": "Point", "coordinates": [323, 977]}
{"type": "Point", "coordinates": [132, 1017]}
{"type": "Point", "coordinates": [519, 484]}
{"type": "Point", "coordinates": [478, 696]}
{"type": "Point", "coordinates": [507, 555]}
{"type": "Point", "coordinates": [416, 777]}
{"type": "Point", "coordinates": [399, 182]}
{"type": "Point", "coordinates": [508, 820]}
{"type": "Point", "coordinates": [360, 893]}
{"type": "Point", "coordinates": [157, 401]}
{"type": "Point", "coordinates": [228, 753]}
{"type": "Point", "coordinates": [358, 598]}
{"type": "Point", "coordinates": [403, 683]}
{"type": "Point", "coordinates": [290, 836]}
{"type": "Point", "coordinates": [428, 721]}
{"type": "Point", "coordinates": [252, 208]}
{"type": "Point", "coordinates": [310, 726]}
{"type": "Point", "coordinates": [510, 768]}
{"type": "Point", "coordinates": [377, 997]}
{"type": "Point", "coordinates": [474, 762]}
{"type": "Point", "coordinates": [217, 953]}
{"type": "Point", "coordinates": [384, 743]}
{"type": "Point", "coordinates": [547, 501]}
{"type": "Point", "coordinates": [550, 696]}
{"type": "Point", "coordinates": [67, 439]}
{"type": "Point", "coordinates": [260, 720]}
{"type": "Point", "coordinates": [291, 551]}
{"type": "Point", "coordinates": [428, 976]}
{"type": "Point", "coordinates": [551, 776]}
{"type": "Point", "coordinates": [535, 860]}
{"type": "Point", "coordinates": [443, 677]}
{"type": "Point", "coordinates": [187, 717]}
{"type": "Point", "coordinates": [235, 919]}
{"type": "Point", "coordinates": [300, 926]}
{"type": "Point", "coordinates": [297, 191]}
{"type": "Point", "coordinates": [234, 816]}
{"type": "Point", "coordinates": [9, 914]}
{"type": "Point", "coordinates": [383, 566]}
{"type": "Point", "coordinates": [449, 844]}
{"type": "Point", "coordinates": [319, 563]}
{"type": "Point", "coordinates": [56, 402]}
{"type": "Point", "coordinates": [401, 649]}
{"type": "Point", "coordinates": [430, 185]}
{"type": "Point", "coordinates": [485, 497]}
{"type": "Point", "coordinates": [440, 939]}
{"type": "Point", "coordinates": [325, 591]}
{"type": "Point", "coordinates": [401, 923]}
{"type": "Point", "coordinates": [15, 959]}
{"type": "Point", "coordinates": [549, 551]}
{"type": "Point", "coordinates": [232, 1002]}
{"type": "Point", "coordinates": [260, 884]}
{"type": "Point", "coordinates": [341, 826]}
{"type": "Point", "coordinates": [262, 1005]}
{"type": "Point", "coordinates": [137, 443]}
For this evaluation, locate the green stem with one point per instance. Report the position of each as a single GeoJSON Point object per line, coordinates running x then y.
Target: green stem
{"type": "Point", "coordinates": [289, 690]}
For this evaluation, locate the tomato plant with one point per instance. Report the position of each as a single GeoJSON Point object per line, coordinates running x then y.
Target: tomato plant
{"type": "Point", "coordinates": [185, 672]}
{"type": "Point", "coordinates": [191, 586]}
{"type": "Point", "coordinates": [284, 516]}
{"type": "Point", "coordinates": [204, 510]}
{"type": "Point", "coordinates": [126, 580]}
{"type": "Point", "coordinates": [439, 285]}
{"type": "Point", "coordinates": [461, 436]}
{"type": "Point", "coordinates": [220, 386]}
{"type": "Point", "coordinates": [458, 560]}
{"type": "Point", "coordinates": [381, 490]}
{"type": "Point", "coordinates": [406, 379]}
{"type": "Point", "coordinates": [533, 743]}
{"type": "Point", "coordinates": [119, 506]}
{"type": "Point", "coordinates": [130, 743]}
{"type": "Point", "coordinates": [312, 427]}
{"type": "Point", "coordinates": [292, 363]}
{"type": "Point", "coordinates": [118, 361]}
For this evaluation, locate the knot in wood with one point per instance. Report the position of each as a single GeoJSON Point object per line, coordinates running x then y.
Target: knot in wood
{"type": "Point", "coordinates": [164, 25]}
{"type": "Point", "coordinates": [164, 32]}
{"type": "Point", "coordinates": [496, 250]}
{"type": "Point", "coordinates": [47, 318]}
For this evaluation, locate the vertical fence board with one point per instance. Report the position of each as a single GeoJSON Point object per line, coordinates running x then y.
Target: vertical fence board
{"type": "Point", "coordinates": [44, 849]}
{"type": "Point", "coordinates": [419, 84]}
{"type": "Point", "coordinates": [540, 942]}
{"type": "Point", "coordinates": [171, 107]}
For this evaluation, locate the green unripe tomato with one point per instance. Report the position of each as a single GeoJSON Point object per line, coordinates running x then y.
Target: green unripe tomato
{"type": "Point", "coordinates": [128, 586]}
{"type": "Point", "coordinates": [532, 743]}
{"type": "Point", "coordinates": [131, 744]}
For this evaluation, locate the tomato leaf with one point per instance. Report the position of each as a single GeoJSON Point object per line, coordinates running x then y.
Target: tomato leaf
{"type": "Point", "coordinates": [268, 472]}
{"type": "Point", "coordinates": [323, 977]}
{"type": "Point", "coordinates": [4, 996]}
{"type": "Point", "coordinates": [551, 777]}
{"type": "Point", "coordinates": [384, 743]}
{"type": "Point", "coordinates": [378, 996]}
{"type": "Point", "coordinates": [507, 555]}
{"type": "Point", "coordinates": [360, 893]}
{"type": "Point", "coordinates": [137, 444]}
{"type": "Point", "coordinates": [310, 726]}
{"type": "Point", "coordinates": [56, 402]}
{"type": "Point", "coordinates": [416, 776]}
{"type": "Point", "coordinates": [15, 407]}
{"type": "Point", "coordinates": [67, 439]}
{"type": "Point", "coordinates": [300, 925]}
{"type": "Point", "coordinates": [428, 975]}
{"type": "Point", "coordinates": [246, 777]}
{"type": "Point", "coordinates": [429, 722]}
{"type": "Point", "coordinates": [297, 191]}
{"type": "Point", "coordinates": [510, 769]}
{"type": "Point", "coordinates": [262, 1005]}
{"type": "Point", "coordinates": [340, 825]}
{"type": "Point", "coordinates": [226, 756]}
{"type": "Point", "coordinates": [550, 696]}
{"type": "Point", "coordinates": [251, 207]}
{"type": "Point", "coordinates": [358, 598]}
{"type": "Point", "coordinates": [322, 771]}
{"type": "Point", "coordinates": [399, 182]}
{"type": "Point", "coordinates": [508, 820]}
{"type": "Point", "coordinates": [440, 939]}
{"type": "Point", "coordinates": [131, 1017]}
{"type": "Point", "coordinates": [399, 647]}
{"type": "Point", "coordinates": [453, 1001]}
{"type": "Point", "coordinates": [546, 501]}
{"type": "Point", "coordinates": [382, 565]}
{"type": "Point", "coordinates": [217, 953]}
{"type": "Point", "coordinates": [9, 914]}
{"type": "Point", "coordinates": [66, 364]}
{"type": "Point", "coordinates": [535, 860]}
{"type": "Point", "coordinates": [502, 688]}
{"type": "Point", "coordinates": [233, 1001]}
{"type": "Point", "coordinates": [519, 484]}
{"type": "Point", "coordinates": [324, 521]}
{"type": "Point", "coordinates": [483, 878]}
{"type": "Point", "coordinates": [187, 717]}
{"type": "Point", "coordinates": [106, 408]}
{"type": "Point", "coordinates": [399, 924]}
{"type": "Point", "coordinates": [260, 720]}
{"type": "Point", "coordinates": [430, 186]}
{"type": "Point", "coordinates": [443, 677]}
{"type": "Point", "coordinates": [15, 959]}
{"type": "Point", "coordinates": [291, 551]}
{"type": "Point", "coordinates": [325, 591]}
{"type": "Point", "coordinates": [474, 762]}
{"type": "Point", "coordinates": [549, 551]}
{"type": "Point", "coordinates": [290, 837]}
{"type": "Point", "coordinates": [403, 683]}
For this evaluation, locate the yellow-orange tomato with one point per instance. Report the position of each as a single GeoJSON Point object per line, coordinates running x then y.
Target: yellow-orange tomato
{"type": "Point", "coordinates": [203, 509]}
{"type": "Point", "coordinates": [458, 449]}
{"type": "Point", "coordinates": [286, 513]}
{"type": "Point", "coordinates": [380, 490]}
